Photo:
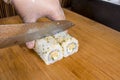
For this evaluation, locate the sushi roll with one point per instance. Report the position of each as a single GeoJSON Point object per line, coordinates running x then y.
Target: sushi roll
{"type": "Point", "coordinates": [68, 43]}
{"type": "Point", "coordinates": [49, 50]}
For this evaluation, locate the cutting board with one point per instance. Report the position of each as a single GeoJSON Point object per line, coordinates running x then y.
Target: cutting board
{"type": "Point", "coordinates": [98, 57]}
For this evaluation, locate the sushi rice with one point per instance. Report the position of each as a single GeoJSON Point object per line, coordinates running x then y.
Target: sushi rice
{"type": "Point", "coordinates": [68, 43]}
{"type": "Point", "coordinates": [54, 48]}
{"type": "Point", "coordinates": [49, 50]}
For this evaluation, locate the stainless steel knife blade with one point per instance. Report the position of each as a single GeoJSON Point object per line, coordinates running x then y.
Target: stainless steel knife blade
{"type": "Point", "coordinates": [20, 33]}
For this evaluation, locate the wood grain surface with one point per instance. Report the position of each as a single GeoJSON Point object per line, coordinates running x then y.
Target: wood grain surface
{"type": "Point", "coordinates": [98, 57]}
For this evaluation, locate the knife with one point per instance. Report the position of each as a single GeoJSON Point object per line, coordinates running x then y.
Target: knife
{"type": "Point", "coordinates": [12, 34]}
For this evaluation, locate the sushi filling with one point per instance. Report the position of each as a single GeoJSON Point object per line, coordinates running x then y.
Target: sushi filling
{"type": "Point", "coordinates": [71, 47]}
{"type": "Point", "coordinates": [54, 55]}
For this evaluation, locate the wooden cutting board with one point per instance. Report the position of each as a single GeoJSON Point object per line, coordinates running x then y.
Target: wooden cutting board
{"type": "Point", "coordinates": [98, 57]}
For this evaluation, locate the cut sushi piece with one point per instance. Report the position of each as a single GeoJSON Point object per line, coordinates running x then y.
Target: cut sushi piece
{"type": "Point", "coordinates": [68, 43]}
{"type": "Point", "coordinates": [49, 50]}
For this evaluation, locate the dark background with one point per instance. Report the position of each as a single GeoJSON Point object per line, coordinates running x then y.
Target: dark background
{"type": "Point", "coordinates": [101, 11]}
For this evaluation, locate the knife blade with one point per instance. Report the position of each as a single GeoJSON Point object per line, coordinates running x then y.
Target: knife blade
{"type": "Point", "coordinates": [12, 34]}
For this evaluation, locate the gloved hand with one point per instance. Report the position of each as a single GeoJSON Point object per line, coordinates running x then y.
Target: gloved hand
{"type": "Point", "coordinates": [31, 10]}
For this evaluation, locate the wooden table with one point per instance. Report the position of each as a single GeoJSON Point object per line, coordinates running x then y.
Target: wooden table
{"type": "Point", "coordinates": [98, 57]}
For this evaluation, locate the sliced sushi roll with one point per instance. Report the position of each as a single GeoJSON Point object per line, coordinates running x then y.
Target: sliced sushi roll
{"type": "Point", "coordinates": [49, 50]}
{"type": "Point", "coordinates": [68, 43]}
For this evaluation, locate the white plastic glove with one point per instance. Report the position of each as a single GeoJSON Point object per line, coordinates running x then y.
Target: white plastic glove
{"type": "Point", "coordinates": [31, 10]}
